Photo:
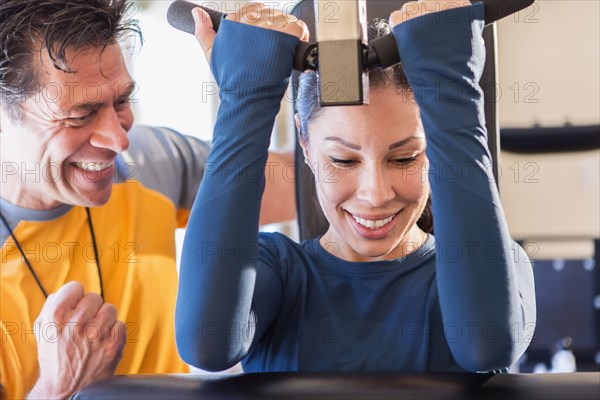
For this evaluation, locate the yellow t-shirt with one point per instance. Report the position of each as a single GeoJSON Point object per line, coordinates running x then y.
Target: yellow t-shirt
{"type": "Point", "coordinates": [135, 238]}
{"type": "Point", "coordinates": [138, 272]}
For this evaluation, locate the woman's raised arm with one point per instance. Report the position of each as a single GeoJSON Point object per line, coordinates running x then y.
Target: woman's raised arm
{"type": "Point", "coordinates": [216, 316]}
{"type": "Point", "coordinates": [484, 278]}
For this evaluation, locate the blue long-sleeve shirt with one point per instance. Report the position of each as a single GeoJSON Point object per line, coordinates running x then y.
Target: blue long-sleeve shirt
{"type": "Point", "coordinates": [463, 301]}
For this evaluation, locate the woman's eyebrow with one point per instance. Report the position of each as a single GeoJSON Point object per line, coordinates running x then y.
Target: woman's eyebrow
{"type": "Point", "coordinates": [403, 142]}
{"type": "Point", "coordinates": [345, 143]}
{"type": "Point", "coordinates": [357, 147]}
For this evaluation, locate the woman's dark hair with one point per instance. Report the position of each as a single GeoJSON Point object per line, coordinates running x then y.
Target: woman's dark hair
{"type": "Point", "coordinates": [54, 26]}
{"type": "Point", "coordinates": [308, 108]}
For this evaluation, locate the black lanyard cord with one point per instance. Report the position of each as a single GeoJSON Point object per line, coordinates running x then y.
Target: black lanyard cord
{"type": "Point", "coordinates": [91, 227]}
{"type": "Point", "coordinates": [37, 279]}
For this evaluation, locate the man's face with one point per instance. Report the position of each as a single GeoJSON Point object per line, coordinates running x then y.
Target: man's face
{"type": "Point", "coordinates": [62, 146]}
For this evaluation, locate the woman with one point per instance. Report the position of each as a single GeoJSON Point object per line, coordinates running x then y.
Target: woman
{"type": "Point", "coordinates": [377, 292]}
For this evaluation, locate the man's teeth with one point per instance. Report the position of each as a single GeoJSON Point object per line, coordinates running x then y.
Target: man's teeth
{"type": "Point", "coordinates": [373, 224]}
{"type": "Point", "coordinates": [93, 166]}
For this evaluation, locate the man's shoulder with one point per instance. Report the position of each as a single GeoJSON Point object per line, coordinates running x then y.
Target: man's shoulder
{"type": "Point", "coordinates": [163, 160]}
{"type": "Point", "coordinates": [152, 145]}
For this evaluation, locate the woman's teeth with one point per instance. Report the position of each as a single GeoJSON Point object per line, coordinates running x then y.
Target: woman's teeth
{"type": "Point", "coordinates": [93, 166]}
{"type": "Point", "coordinates": [373, 224]}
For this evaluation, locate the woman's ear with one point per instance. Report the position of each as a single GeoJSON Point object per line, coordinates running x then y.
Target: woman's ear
{"type": "Point", "coordinates": [297, 120]}
{"type": "Point", "coordinates": [303, 142]}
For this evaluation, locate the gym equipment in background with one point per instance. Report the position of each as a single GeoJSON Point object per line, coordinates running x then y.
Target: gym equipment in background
{"type": "Point", "coordinates": [341, 53]}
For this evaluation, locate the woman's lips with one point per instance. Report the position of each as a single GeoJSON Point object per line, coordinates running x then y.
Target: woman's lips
{"type": "Point", "coordinates": [373, 227]}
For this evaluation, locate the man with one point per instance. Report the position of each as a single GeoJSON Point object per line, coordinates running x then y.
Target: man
{"type": "Point", "coordinates": [88, 209]}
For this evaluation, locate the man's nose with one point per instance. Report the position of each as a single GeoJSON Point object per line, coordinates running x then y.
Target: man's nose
{"type": "Point", "coordinates": [110, 131]}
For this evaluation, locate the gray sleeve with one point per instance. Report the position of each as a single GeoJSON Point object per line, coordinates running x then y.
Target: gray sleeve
{"type": "Point", "coordinates": [166, 161]}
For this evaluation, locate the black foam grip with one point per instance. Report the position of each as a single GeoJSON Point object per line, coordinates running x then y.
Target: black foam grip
{"type": "Point", "coordinates": [179, 16]}
{"type": "Point", "coordinates": [384, 51]}
{"type": "Point", "coordinates": [498, 9]}
{"type": "Point", "coordinates": [303, 58]}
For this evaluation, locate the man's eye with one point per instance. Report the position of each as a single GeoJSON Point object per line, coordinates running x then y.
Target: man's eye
{"type": "Point", "coordinates": [124, 101]}
{"type": "Point", "coordinates": [82, 120]}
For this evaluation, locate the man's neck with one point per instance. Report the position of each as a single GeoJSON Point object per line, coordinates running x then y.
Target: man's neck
{"type": "Point", "coordinates": [16, 194]}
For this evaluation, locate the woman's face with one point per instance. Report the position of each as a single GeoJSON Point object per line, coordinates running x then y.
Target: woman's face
{"type": "Point", "coordinates": [371, 176]}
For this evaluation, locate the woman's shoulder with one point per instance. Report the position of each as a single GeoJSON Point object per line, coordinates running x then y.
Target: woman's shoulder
{"type": "Point", "coordinates": [276, 242]}
{"type": "Point", "coordinates": [286, 257]}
